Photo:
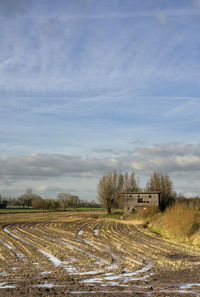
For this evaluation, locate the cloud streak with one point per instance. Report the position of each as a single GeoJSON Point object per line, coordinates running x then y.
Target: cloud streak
{"type": "Point", "coordinates": [51, 173]}
{"type": "Point", "coordinates": [54, 53]}
{"type": "Point", "coordinates": [171, 158]}
{"type": "Point", "coordinates": [52, 165]}
{"type": "Point", "coordinates": [78, 75]}
{"type": "Point", "coordinates": [175, 159]}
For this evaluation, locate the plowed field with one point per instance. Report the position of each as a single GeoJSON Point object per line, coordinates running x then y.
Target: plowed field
{"type": "Point", "coordinates": [82, 254]}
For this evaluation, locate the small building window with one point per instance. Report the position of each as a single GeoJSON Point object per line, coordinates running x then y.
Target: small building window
{"type": "Point", "coordinates": [128, 208]}
{"type": "Point", "coordinates": [140, 200]}
{"type": "Point", "coordinates": [149, 196]}
{"type": "Point", "coordinates": [147, 201]}
{"type": "Point", "coordinates": [130, 196]}
{"type": "Point", "coordinates": [138, 196]}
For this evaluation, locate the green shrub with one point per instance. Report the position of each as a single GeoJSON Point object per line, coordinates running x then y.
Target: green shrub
{"type": "Point", "coordinates": [114, 215]}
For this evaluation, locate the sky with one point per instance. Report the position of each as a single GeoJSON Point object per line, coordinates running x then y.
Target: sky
{"type": "Point", "coordinates": [89, 86]}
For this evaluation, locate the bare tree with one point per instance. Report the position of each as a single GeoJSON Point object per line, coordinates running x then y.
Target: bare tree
{"type": "Point", "coordinates": [110, 188]}
{"type": "Point", "coordinates": [27, 198]}
{"type": "Point", "coordinates": [126, 182]}
{"type": "Point", "coordinates": [162, 182]}
{"type": "Point", "coordinates": [106, 190]}
{"type": "Point", "coordinates": [133, 183]}
{"type": "Point", "coordinates": [39, 203]}
{"type": "Point", "coordinates": [64, 199]}
{"type": "Point", "coordinates": [74, 201]}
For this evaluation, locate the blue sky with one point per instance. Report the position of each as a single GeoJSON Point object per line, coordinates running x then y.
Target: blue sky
{"type": "Point", "coordinates": [89, 86]}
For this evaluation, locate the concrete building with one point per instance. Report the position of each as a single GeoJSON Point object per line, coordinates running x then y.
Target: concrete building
{"type": "Point", "coordinates": [134, 201]}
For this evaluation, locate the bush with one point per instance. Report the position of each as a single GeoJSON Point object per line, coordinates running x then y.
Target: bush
{"type": "Point", "coordinates": [180, 220]}
{"type": "Point", "coordinates": [147, 213]}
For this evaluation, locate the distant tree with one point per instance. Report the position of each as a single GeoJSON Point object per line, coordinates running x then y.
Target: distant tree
{"type": "Point", "coordinates": [12, 201]}
{"type": "Point", "coordinates": [128, 183]}
{"type": "Point", "coordinates": [106, 191]}
{"type": "Point", "coordinates": [39, 203]}
{"type": "Point", "coordinates": [133, 183]}
{"type": "Point", "coordinates": [162, 182]}
{"type": "Point", "coordinates": [125, 187]}
{"type": "Point", "coordinates": [27, 198]}
{"type": "Point", "coordinates": [74, 201]}
{"type": "Point", "coordinates": [93, 203]}
{"type": "Point", "coordinates": [64, 199]}
{"type": "Point", "coordinates": [54, 204]}
{"type": "Point", "coordinates": [110, 187]}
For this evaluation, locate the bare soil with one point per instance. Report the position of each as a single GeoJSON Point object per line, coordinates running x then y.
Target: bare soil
{"type": "Point", "coordinates": [83, 254]}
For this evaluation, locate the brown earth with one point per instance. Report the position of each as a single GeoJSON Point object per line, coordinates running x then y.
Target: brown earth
{"type": "Point", "coordinates": [83, 254]}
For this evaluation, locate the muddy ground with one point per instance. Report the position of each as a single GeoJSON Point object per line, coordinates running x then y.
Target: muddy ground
{"type": "Point", "coordinates": [83, 254]}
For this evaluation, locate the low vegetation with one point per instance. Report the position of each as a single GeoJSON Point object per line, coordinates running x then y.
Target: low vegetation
{"type": "Point", "coordinates": [32, 202]}
{"type": "Point", "coordinates": [180, 222]}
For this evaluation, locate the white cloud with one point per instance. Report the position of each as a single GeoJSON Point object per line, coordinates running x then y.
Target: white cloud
{"type": "Point", "coordinates": [175, 159]}
{"type": "Point", "coordinates": [47, 173]}
{"type": "Point", "coordinates": [169, 157]}
{"type": "Point", "coordinates": [42, 188]}
{"type": "Point", "coordinates": [189, 160]}
{"type": "Point", "coordinates": [52, 165]}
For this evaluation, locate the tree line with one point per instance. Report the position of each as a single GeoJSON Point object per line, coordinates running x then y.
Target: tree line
{"type": "Point", "coordinates": [64, 200]}
{"type": "Point", "coordinates": [113, 184]}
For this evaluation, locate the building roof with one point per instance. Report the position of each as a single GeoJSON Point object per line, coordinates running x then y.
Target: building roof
{"type": "Point", "coordinates": [148, 192]}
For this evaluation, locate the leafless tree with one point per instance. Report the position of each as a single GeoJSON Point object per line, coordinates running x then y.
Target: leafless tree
{"type": "Point", "coordinates": [106, 191]}
{"type": "Point", "coordinates": [74, 201]}
{"type": "Point", "coordinates": [110, 188]}
{"type": "Point", "coordinates": [161, 182]}
{"type": "Point", "coordinates": [64, 199]}
{"type": "Point", "coordinates": [27, 198]}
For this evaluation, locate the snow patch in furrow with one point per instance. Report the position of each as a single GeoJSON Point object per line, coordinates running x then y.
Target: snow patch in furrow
{"type": "Point", "coordinates": [123, 277]}
{"type": "Point", "coordinates": [189, 286]}
{"type": "Point", "coordinates": [18, 254]}
{"type": "Point", "coordinates": [69, 268]}
{"type": "Point", "coordinates": [110, 292]}
{"type": "Point", "coordinates": [7, 245]}
{"type": "Point", "coordinates": [96, 232]}
{"type": "Point", "coordinates": [47, 285]}
{"type": "Point", "coordinates": [180, 291]}
{"type": "Point", "coordinates": [109, 278]}
{"type": "Point", "coordinates": [185, 289]}
{"type": "Point", "coordinates": [92, 272]}
{"type": "Point", "coordinates": [53, 259]}
{"type": "Point", "coordinates": [84, 252]}
{"type": "Point", "coordinates": [45, 272]}
{"type": "Point", "coordinates": [80, 232]}
{"type": "Point", "coordinates": [15, 236]}
{"type": "Point", "coordinates": [5, 286]}
{"type": "Point", "coordinates": [132, 260]}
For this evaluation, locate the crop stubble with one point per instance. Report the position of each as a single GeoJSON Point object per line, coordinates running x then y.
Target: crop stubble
{"type": "Point", "coordinates": [80, 254]}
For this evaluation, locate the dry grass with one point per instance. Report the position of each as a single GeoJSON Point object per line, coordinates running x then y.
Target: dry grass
{"type": "Point", "coordinates": [147, 213]}
{"type": "Point", "coordinates": [180, 220]}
